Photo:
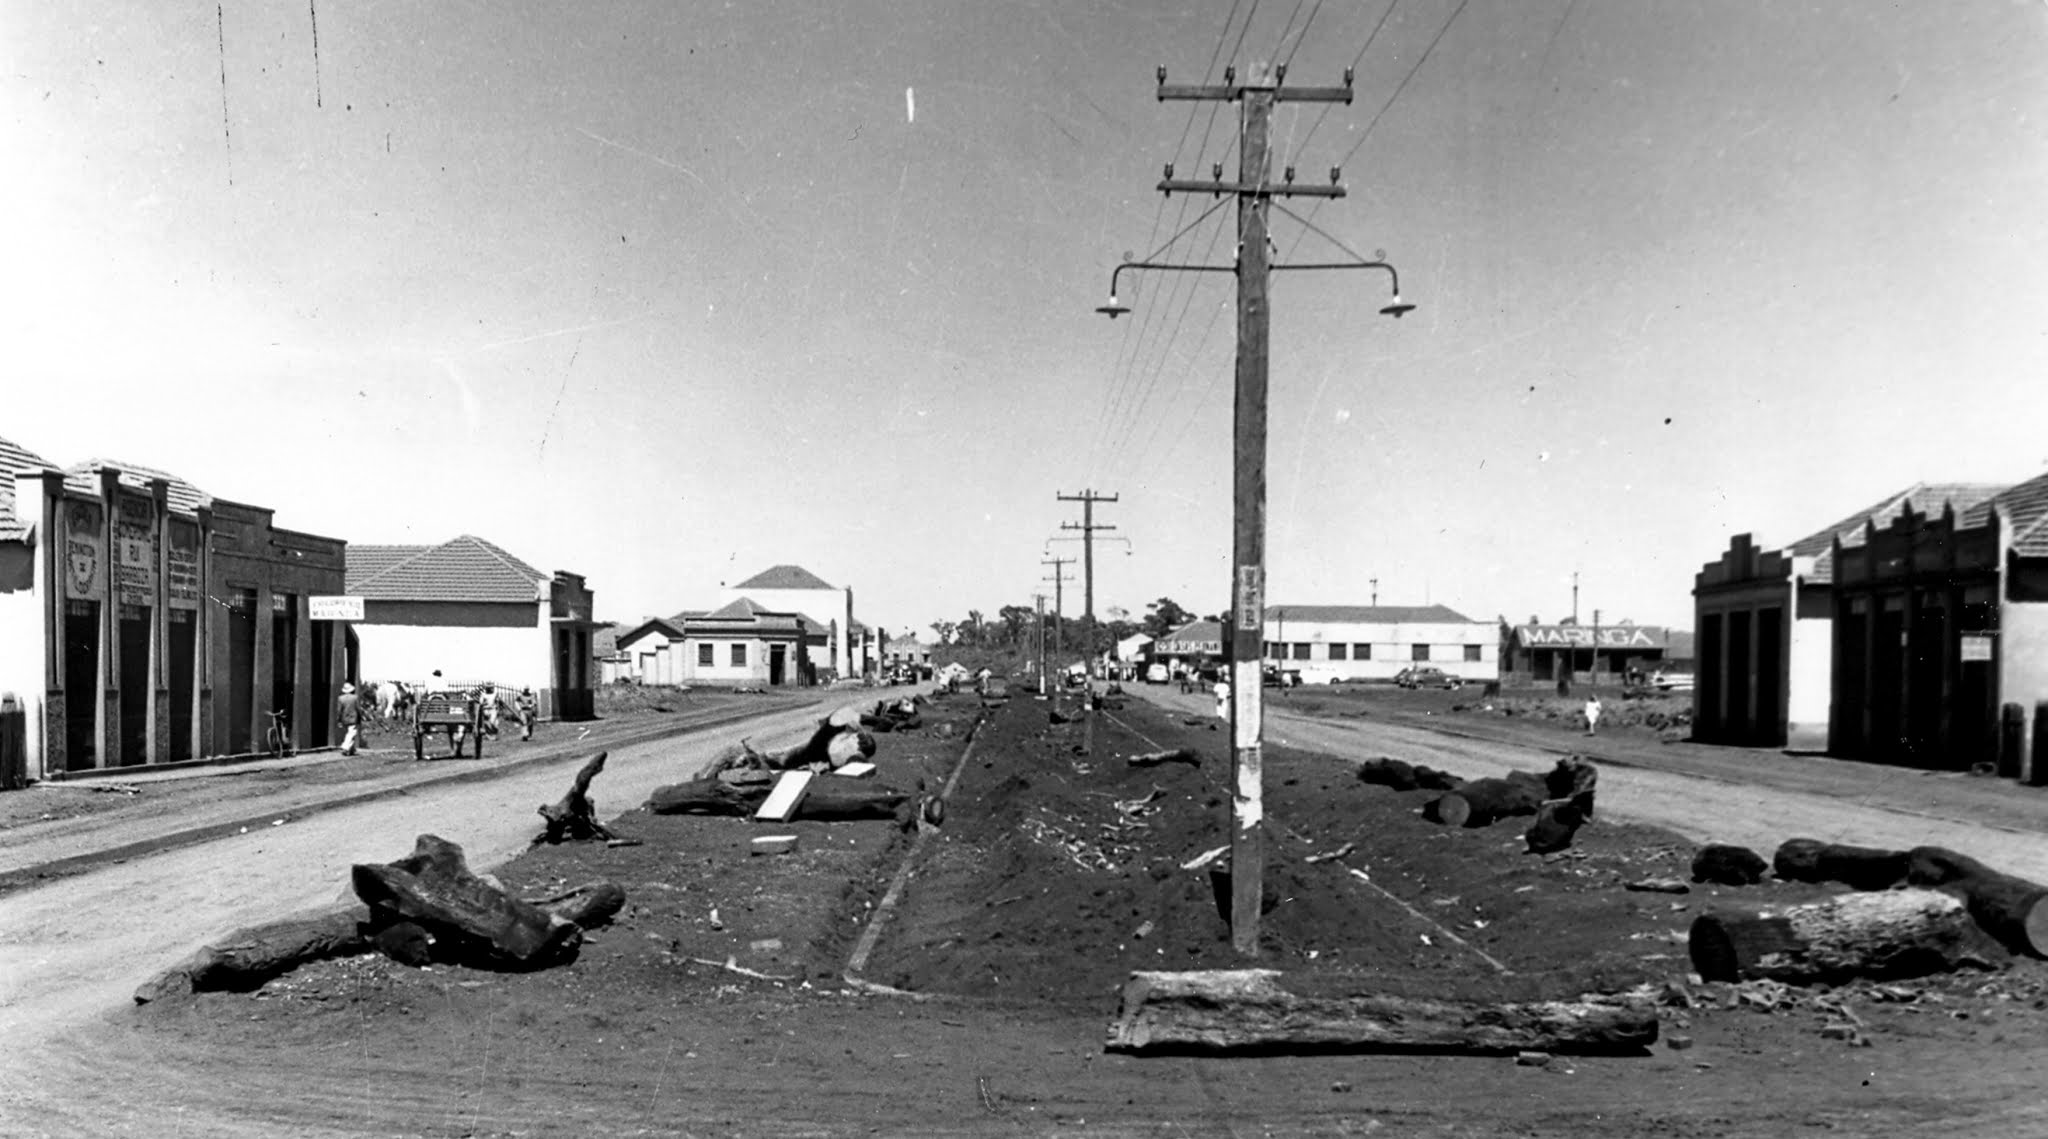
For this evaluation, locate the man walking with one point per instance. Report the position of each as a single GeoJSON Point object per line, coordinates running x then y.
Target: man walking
{"type": "Point", "coordinates": [1592, 714]}
{"type": "Point", "coordinates": [349, 715]}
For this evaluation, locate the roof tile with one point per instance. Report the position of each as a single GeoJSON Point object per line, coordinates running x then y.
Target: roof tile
{"type": "Point", "coordinates": [784, 577]}
{"type": "Point", "coordinates": [465, 568]}
{"type": "Point", "coordinates": [1369, 614]}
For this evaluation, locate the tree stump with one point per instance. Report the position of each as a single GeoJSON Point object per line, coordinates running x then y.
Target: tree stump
{"type": "Point", "coordinates": [1483, 802]}
{"type": "Point", "coordinates": [1859, 867]}
{"type": "Point", "coordinates": [1557, 823]}
{"type": "Point", "coordinates": [472, 922]}
{"type": "Point", "coordinates": [589, 906]}
{"type": "Point", "coordinates": [1728, 865]}
{"type": "Point", "coordinates": [1574, 778]}
{"type": "Point", "coordinates": [2013, 910]}
{"type": "Point", "coordinates": [1897, 933]}
{"type": "Point", "coordinates": [575, 816]}
{"type": "Point", "coordinates": [1252, 1010]}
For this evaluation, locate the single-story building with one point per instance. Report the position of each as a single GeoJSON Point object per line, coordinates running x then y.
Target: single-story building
{"type": "Point", "coordinates": [144, 621]}
{"type": "Point", "coordinates": [475, 613]}
{"type": "Point", "coordinates": [837, 650]}
{"type": "Point", "coordinates": [1330, 643]}
{"type": "Point", "coordinates": [1540, 653]}
{"type": "Point", "coordinates": [1766, 626]}
{"type": "Point", "coordinates": [1196, 645]}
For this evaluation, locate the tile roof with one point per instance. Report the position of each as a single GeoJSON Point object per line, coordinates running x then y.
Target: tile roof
{"type": "Point", "coordinates": [784, 577]}
{"type": "Point", "coordinates": [2025, 510]}
{"type": "Point", "coordinates": [14, 460]}
{"type": "Point", "coordinates": [1192, 631]}
{"type": "Point", "coordinates": [1924, 498]}
{"type": "Point", "coordinates": [83, 478]}
{"type": "Point", "coordinates": [1369, 614]}
{"type": "Point", "coordinates": [673, 629]}
{"type": "Point", "coordinates": [466, 568]}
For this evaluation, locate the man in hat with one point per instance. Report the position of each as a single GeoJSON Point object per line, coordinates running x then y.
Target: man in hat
{"type": "Point", "coordinates": [529, 710]}
{"type": "Point", "coordinates": [349, 715]}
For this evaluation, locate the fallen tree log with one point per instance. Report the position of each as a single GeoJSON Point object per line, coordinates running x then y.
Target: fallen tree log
{"type": "Point", "coordinates": [1859, 867]}
{"type": "Point", "coordinates": [2010, 909]}
{"type": "Point", "coordinates": [575, 815]}
{"type": "Point", "coordinates": [1573, 778]}
{"type": "Point", "coordinates": [1483, 802]}
{"type": "Point", "coordinates": [1896, 933]}
{"type": "Point", "coordinates": [1728, 865]}
{"type": "Point", "coordinates": [247, 960]}
{"type": "Point", "coordinates": [1557, 823]}
{"type": "Point", "coordinates": [471, 921]}
{"type": "Point", "coordinates": [1155, 758]}
{"type": "Point", "coordinates": [1401, 775]}
{"type": "Point", "coordinates": [590, 905]}
{"type": "Point", "coordinates": [826, 801]}
{"type": "Point", "coordinates": [1252, 1010]}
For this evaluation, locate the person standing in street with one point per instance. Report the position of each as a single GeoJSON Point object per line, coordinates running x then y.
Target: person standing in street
{"type": "Point", "coordinates": [1592, 714]}
{"type": "Point", "coordinates": [1222, 696]}
{"type": "Point", "coordinates": [349, 716]}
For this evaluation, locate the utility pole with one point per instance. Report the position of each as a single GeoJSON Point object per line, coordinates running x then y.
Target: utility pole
{"type": "Point", "coordinates": [1375, 592]}
{"type": "Point", "coordinates": [1575, 597]}
{"type": "Point", "coordinates": [1088, 527]}
{"type": "Point", "coordinates": [1254, 191]}
{"type": "Point", "coordinates": [1059, 583]}
{"type": "Point", "coordinates": [1038, 645]}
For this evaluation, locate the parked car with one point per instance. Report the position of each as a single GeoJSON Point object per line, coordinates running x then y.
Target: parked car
{"type": "Point", "coordinates": [1155, 673]}
{"type": "Point", "coordinates": [1427, 677]}
{"type": "Point", "coordinates": [1671, 681]}
{"type": "Point", "coordinates": [1273, 676]}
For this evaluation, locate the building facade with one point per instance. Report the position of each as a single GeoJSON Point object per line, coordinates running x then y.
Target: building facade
{"type": "Point", "coordinates": [475, 613]}
{"type": "Point", "coordinates": [794, 589]}
{"type": "Point", "coordinates": [148, 622]}
{"type": "Point", "coordinates": [1332, 643]}
{"type": "Point", "coordinates": [1539, 653]}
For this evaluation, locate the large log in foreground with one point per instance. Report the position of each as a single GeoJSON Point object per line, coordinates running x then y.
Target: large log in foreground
{"type": "Point", "coordinates": [2013, 910]}
{"type": "Point", "coordinates": [248, 960]}
{"type": "Point", "coordinates": [1250, 1010]}
{"type": "Point", "coordinates": [472, 922]}
{"type": "Point", "coordinates": [1484, 802]}
{"type": "Point", "coordinates": [1896, 933]}
{"type": "Point", "coordinates": [1859, 867]}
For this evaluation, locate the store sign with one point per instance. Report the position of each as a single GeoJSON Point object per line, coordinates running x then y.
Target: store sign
{"type": "Point", "coordinates": [84, 550]}
{"type": "Point", "coordinates": [183, 584]}
{"type": "Point", "coordinates": [135, 547]}
{"type": "Point", "coordinates": [1976, 646]}
{"type": "Point", "coordinates": [1586, 637]}
{"type": "Point", "coordinates": [335, 608]}
{"type": "Point", "coordinates": [1251, 598]}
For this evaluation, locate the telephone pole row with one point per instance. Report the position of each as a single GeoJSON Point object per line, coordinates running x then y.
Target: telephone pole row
{"type": "Point", "coordinates": [1087, 527]}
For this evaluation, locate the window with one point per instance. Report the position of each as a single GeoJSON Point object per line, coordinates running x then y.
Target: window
{"type": "Point", "coordinates": [1471, 652]}
{"type": "Point", "coordinates": [1336, 652]}
{"type": "Point", "coordinates": [1361, 652]}
{"type": "Point", "coordinates": [1300, 650]}
{"type": "Point", "coordinates": [739, 656]}
{"type": "Point", "coordinates": [706, 655]}
{"type": "Point", "coordinates": [1419, 652]}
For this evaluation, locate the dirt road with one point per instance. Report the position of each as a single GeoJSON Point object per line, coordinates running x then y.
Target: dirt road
{"type": "Point", "coordinates": [75, 949]}
{"type": "Point", "coordinates": [1759, 814]}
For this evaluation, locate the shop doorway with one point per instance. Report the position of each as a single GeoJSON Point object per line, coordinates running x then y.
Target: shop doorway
{"type": "Point", "coordinates": [318, 731]}
{"type": "Point", "coordinates": [135, 684]}
{"type": "Point", "coordinates": [778, 659]}
{"type": "Point", "coordinates": [181, 664]}
{"type": "Point", "coordinates": [241, 678]}
{"type": "Point", "coordinates": [81, 684]}
{"type": "Point", "coordinates": [284, 659]}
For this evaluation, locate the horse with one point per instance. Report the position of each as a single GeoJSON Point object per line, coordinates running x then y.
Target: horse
{"type": "Point", "coordinates": [389, 697]}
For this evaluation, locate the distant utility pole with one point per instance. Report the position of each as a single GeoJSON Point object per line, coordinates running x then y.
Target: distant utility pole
{"type": "Point", "coordinates": [1375, 591]}
{"type": "Point", "coordinates": [1254, 191]}
{"type": "Point", "coordinates": [1059, 592]}
{"type": "Point", "coordinates": [1088, 527]}
{"type": "Point", "coordinates": [1575, 597]}
{"type": "Point", "coordinates": [1044, 685]}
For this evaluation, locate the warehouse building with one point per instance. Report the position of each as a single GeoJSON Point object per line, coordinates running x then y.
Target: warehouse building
{"type": "Point", "coordinates": [1332, 643]}
{"type": "Point", "coordinates": [1540, 653]}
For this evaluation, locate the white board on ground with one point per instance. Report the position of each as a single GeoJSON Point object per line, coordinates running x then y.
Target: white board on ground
{"type": "Point", "coordinates": [856, 769]}
{"type": "Point", "coordinates": [782, 802]}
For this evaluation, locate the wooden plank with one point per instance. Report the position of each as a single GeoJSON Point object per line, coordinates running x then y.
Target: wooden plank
{"type": "Point", "coordinates": [788, 795]}
{"type": "Point", "coordinates": [855, 770]}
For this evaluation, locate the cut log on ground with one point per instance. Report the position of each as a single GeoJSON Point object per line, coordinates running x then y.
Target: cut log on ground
{"type": "Point", "coordinates": [1401, 775]}
{"type": "Point", "coordinates": [589, 906]}
{"type": "Point", "coordinates": [1728, 865]}
{"type": "Point", "coordinates": [2013, 910]}
{"type": "Point", "coordinates": [472, 922]}
{"type": "Point", "coordinates": [1859, 867]}
{"type": "Point", "coordinates": [1573, 778]}
{"type": "Point", "coordinates": [1557, 823]}
{"type": "Point", "coordinates": [1483, 802]}
{"type": "Point", "coordinates": [575, 816]}
{"type": "Point", "coordinates": [1155, 758]}
{"type": "Point", "coordinates": [1896, 933]}
{"type": "Point", "coordinates": [1252, 1010]}
{"type": "Point", "coordinates": [248, 960]}
{"type": "Point", "coordinates": [824, 801]}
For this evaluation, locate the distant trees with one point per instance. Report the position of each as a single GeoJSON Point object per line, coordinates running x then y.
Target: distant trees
{"type": "Point", "coordinates": [1164, 616]}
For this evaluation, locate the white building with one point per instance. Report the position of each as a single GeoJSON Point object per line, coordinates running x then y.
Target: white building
{"type": "Point", "coordinates": [1329, 643]}
{"type": "Point", "coordinates": [794, 589]}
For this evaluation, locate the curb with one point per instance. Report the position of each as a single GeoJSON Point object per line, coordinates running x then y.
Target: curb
{"type": "Point", "coordinates": [43, 872]}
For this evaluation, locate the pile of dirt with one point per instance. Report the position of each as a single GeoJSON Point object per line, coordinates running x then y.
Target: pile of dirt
{"type": "Point", "coordinates": [1658, 713]}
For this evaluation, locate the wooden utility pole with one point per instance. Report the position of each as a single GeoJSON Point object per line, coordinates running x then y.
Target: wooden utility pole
{"type": "Point", "coordinates": [1254, 190]}
{"type": "Point", "coordinates": [1059, 583]}
{"type": "Point", "coordinates": [1044, 685]}
{"type": "Point", "coordinates": [1088, 527]}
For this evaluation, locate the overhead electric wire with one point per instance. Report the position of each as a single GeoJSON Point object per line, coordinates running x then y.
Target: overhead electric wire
{"type": "Point", "coordinates": [1289, 61]}
{"type": "Point", "coordinates": [1286, 28]}
{"type": "Point", "coordinates": [1355, 61]}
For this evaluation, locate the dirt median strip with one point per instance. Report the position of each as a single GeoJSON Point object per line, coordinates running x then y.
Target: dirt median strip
{"type": "Point", "coordinates": [25, 877]}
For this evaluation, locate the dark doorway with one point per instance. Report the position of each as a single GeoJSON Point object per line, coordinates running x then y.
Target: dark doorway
{"type": "Point", "coordinates": [1713, 666]}
{"type": "Point", "coordinates": [318, 732]}
{"type": "Point", "coordinates": [241, 671]}
{"type": "Point", "coordinates": [1770, 680]}
{"type": "Point", "coordinates": [284, 658]}
{"type": "Point", "coordinates": [1926, 703]}
{"type": "Point", "coordinates": [777, 660]}
{"type": "Point", "coordinates": [1740, 672]}
{"type": "Point", "coordinates": [1847, 732]}
{"type": "Point", "coordinates": [1888, 682]}
{"type": "Point", "coordinates": [134, 658]}
{"type": "Point", "coordinates": [81, 684]}
{"type": "Point", "coordinates": [181, 665]}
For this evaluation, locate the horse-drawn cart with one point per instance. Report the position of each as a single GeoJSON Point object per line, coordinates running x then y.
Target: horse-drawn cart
{"type": "Point", "coordinates": [456, 712]}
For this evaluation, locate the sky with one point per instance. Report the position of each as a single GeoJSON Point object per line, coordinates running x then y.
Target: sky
{"type": "Point", "coordinates": [669, 293]}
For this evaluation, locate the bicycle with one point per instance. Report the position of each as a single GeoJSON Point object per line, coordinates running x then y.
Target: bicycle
{"type": "Point", "coordinates": [278, 738]}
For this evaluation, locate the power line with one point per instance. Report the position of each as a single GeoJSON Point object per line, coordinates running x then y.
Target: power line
{"type": "Point", "coordinates": [1289, 61]}
{"type": "Point", "coordinates": [1355, 61]}
{"type": "Point", "coordinates": [1395, 97]}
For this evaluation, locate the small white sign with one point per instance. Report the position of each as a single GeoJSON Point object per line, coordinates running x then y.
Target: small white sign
{"type": "Point", "coordinates": [1976, 647]}
{"type": "Point", "coordinates": [334, 608]}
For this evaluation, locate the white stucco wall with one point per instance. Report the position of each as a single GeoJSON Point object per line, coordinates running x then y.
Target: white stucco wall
{"type": "Point", "coordinates": [1809, 684]}
{"type": "Point", "coordinates": [2023, 658]}
{"type": "Point", "coordinates": [511, 657]}
{"type": "Point", "coordinates": [22, 637]}
{"type": "Point", "coordinates": [1393, 647]}
{"type": "Point", "coordinates": [832, 607]}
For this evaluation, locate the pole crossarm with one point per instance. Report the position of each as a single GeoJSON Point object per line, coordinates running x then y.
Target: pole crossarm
{"type": "Point", "coordinates": [1265, 190]}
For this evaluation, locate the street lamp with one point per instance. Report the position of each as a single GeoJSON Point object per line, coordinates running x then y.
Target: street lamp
{"type": "Point", "coordinates": [1396, 307]}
